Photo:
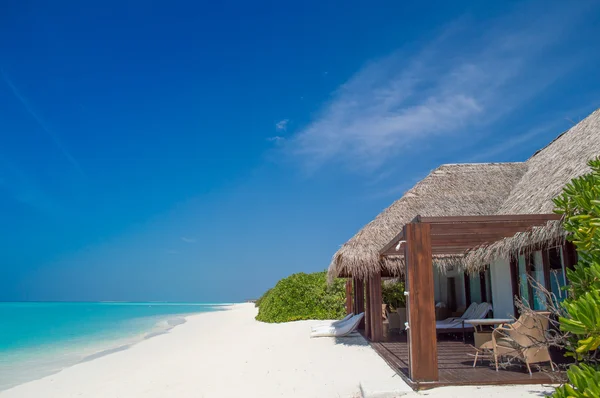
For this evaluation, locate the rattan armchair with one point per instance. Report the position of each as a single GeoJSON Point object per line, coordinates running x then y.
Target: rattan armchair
{"type": "Point", "coordinates": [525, 339]}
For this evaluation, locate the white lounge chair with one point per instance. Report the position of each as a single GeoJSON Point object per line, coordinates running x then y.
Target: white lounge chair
{"type": "Point", "coordinates": [459, 325]}
{"type": "Point", "coordinates": [475, 311]}
{"type": "Point", "coordinates": [466, 315]}
{"type": "Point", "coordinates": [341, 329]}
{"type": "Point", "coordinates": [333, 323]}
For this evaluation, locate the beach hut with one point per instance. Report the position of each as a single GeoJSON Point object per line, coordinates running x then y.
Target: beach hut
{"type": "Point", "coordinates": [541, 252]}
{"type": "Point", "coordinates": [449, 190]}
{"type": "Point", "coordinates": [521, 241]}
{"type": "Point", "coordinates": [494, 222]}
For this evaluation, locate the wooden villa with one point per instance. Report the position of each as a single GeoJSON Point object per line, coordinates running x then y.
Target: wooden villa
{"type": "Point", "coordinates": [466, 233]}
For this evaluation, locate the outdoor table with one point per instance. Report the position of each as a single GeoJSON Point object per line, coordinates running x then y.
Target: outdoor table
{"type": "Point", "coordinates": [480, 335]}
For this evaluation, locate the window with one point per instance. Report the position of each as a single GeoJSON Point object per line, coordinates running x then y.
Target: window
{"type": "Point", "coordinates": [525, 290]}
{"type": "Point", "coordinates": [479, 287]}
{"type": "Point", "coordinates": [531, 265]}
{"type": "Point", "coordinates": [475, 288]}
{"type": "Point", "coordinates": [557, 274]}
{"type": "Point", "coordinates": [537, 273]}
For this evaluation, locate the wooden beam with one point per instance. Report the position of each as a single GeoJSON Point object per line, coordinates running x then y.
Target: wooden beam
{"type": "Point", "coordinates": [514, 281]}
{"type": "Point", "coordinates": [368, 309]}
{"type": "Point", "coordinates": [376, 308]}
{"type": "Point", "coordinates": [348, 296]}
{"type": "Point", "coordinates": [393, 243]}
{"type": "Point", "coordinates": [452, 227]}
{"type": "Point", "coordinates": [423, 361]}
{"type": "Point", "coordinates": [546, 269]}
{"type": "Point", "coordinates": [467, 289]}
{"type": "Point", "coordinates": [456, 235]}
{"type": "Point", "coordinates": [359, 300]}
{"type": "Point", "coordinates": [496, 218]}
{"type": "Point", "coordinates": [570, 255]}
{"type": "Point", "coordinates": [529, 272]}
{"type": "Point", "coordinates": [483, 287]}
{"type": "Point", "coordinates": [467, 242]}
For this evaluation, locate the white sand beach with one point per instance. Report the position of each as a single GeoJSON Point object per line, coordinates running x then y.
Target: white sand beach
{"type": "Point", "coordinates": [229, 354]}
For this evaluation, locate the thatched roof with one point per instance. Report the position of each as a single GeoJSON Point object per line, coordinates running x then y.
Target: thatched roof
{"type": "Point", "coordinates": [450, 190]}
{"type": "Point", "coordinates": [548, 171]}
{"type": "Point", "coordinates": [551, 168]}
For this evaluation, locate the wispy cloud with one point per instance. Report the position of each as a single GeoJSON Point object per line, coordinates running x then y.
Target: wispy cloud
{"type": "Point", "coordinates": [276, 139]}
{"type": "Point", "coordinates": [188, 240]}
{"type": "Point", "coordinates": [55, 139]}
{"type": "Point", "coordinates": [506, 145]}
{"type": "Point", "coordinates": [462, 81]}
{"type": "Point", "coordinates": [282, 125]}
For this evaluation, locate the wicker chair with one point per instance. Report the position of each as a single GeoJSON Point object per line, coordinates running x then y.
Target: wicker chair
{"type": "Point", "coordinates": [525, 339]}
{"type": "Point", "coordinates": [394, 321]}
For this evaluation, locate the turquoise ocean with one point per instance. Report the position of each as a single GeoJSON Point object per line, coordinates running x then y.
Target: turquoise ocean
{"type": "Point", "coordinates": [38, 339]}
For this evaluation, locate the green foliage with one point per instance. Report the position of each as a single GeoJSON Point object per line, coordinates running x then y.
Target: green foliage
{"type": "Point", "coordinates": [580, 204]}
{"type": "Point", "coordinates": [393, 294]}
{"type": "Point", "coordinates": [584, 382]}
{"type": "Point", "coordinates": [584, 320]}
{"type": "Point", "coordinates": [260, 300]}
{"type": "Point", "coordinates": [303, 296]}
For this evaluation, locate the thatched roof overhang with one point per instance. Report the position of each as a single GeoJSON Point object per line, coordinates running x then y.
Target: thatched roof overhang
{"type": "Point", "coordinates": [450, 190]}
{"type": "Point", "coordinates": [453, 236]}
{"type": "Point", "coordinates": [540, 237]}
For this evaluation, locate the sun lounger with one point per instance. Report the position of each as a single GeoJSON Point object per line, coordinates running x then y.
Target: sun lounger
{"type": "Point", "coordinates": [333, 323]}
{"type": "Point", "coordinates": [458, 325]}
{"type": "Point", "coordinates": [466, 315]}
{"type": "Point", "coordinates": [343, 328]}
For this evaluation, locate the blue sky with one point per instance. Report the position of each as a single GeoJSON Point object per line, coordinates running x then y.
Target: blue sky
{"type": "Point", "coordinates": [200, 151]}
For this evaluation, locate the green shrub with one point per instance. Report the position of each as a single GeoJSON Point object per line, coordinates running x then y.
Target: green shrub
{"type": "Point", "coordinates": [303, 296]}
{"type": "Point", "coordinates": [580, 203]}
{"type": "Point", "coordinates": [393, 294]}
{"type": "Point", "coordinates": [259, 301]}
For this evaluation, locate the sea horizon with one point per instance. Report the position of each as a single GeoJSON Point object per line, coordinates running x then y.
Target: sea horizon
{"type": "Point", "coordinates": [40, 338]}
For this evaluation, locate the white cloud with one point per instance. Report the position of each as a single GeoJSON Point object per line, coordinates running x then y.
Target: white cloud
{"type": "Point", "coordinates": [276, 139]}
{"type": "Point", "coordinates": [282, 125]}
{"type": "Point", "coordinates": [461, 81]}
{"type": "Point", "coordinates": [188, 240]}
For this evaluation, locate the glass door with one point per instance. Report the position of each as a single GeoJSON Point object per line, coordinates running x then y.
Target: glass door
{"type": "Point", "coordinates": [558, 276]}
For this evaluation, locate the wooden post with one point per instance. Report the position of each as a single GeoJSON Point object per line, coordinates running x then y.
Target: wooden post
{"type": "Point", "coordinates": [546, 269]}
{"type": "Point", "coordinates": [359, 300]}
{"type": "Point", "coordinates": [529, 270]}
{"type": "Point", "coordinates": [423, 360]}
{"type": "Point", "coordinates": [467, 289]}
{"type": "Point", "coordinates": [569, 255]}
{"type": "Point", "coordinates": [348, 296]}
{"type": "Point", "coordinates": [483, 287]}
{"type": "Point", "coordinates": [376, 317]}
{"type": "Point", "coordinates": [368, 309]}
{"type": "Point", "coordinates": [514, 281]}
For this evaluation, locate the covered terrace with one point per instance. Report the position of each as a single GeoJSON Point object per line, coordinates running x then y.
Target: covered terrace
{"type": "Point", "coordinates": [418, 357]}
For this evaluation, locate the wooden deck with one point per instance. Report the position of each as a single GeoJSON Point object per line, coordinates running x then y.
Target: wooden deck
{"type": "Point", "coordinates": [455, 366]}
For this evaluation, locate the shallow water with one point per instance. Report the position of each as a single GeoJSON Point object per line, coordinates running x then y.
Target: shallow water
{"type": "Point", "coordinates": [38, 339]}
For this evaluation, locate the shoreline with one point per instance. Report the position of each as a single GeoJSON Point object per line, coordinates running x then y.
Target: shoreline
{"type": "Point", "coordinates": [182, 319]}
{"type": "Point", "coordinates": [173, 322]}
{"type": "Point", "coordinates": [220, 354]}
{"type": "Point", "coordinates": [230, 354]}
